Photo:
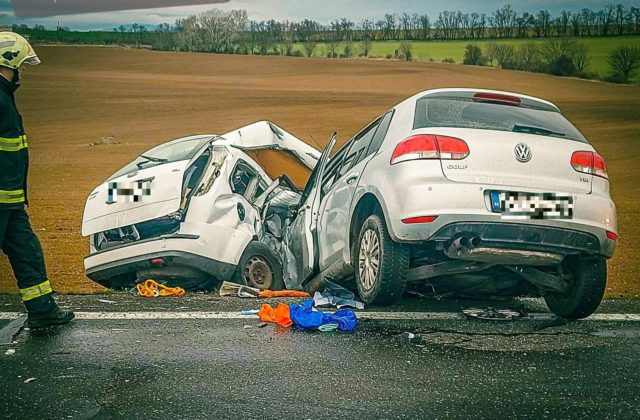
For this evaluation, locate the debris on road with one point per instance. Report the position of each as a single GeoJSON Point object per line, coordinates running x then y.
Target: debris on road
{"type": "Point", "coordinates": [228, 289]}
{"type": "Point", "coordinates": [250, 312]}
{"type": "Point", "coordinates": [492, 314]}
{"type": "Point", "coordinates": [338, 296]}
{"type": "Point", "coordinates": [151, 289]}
{"type": "Point", "coordinates": [107, 301]}
{"type": "Point", "coordinates": [279, 315]}
{"type": "Point", "coordinates": [283, 294]}
{"type": "Point", "coordinates": [305, 316]}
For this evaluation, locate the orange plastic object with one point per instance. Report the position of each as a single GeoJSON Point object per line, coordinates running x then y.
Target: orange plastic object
{"type": "Point", "coordinates": [283, 293]}
{"type": "Point", "coordinates": [151, 288]}
{"type": "Point", "coordinates": [279, 315]}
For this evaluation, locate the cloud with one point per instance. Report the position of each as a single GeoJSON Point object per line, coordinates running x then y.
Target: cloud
{"type": "Point", "coordinates": [42, 8]}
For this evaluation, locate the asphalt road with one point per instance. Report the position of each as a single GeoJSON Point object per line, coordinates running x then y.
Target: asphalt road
{"type": "Point", "coordinates": [114, 367]}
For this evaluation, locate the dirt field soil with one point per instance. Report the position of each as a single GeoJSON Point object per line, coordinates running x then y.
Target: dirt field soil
{"type": "Point", "coordinates": [135, 99]}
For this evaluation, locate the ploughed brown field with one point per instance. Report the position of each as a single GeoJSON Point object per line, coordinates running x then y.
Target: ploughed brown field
{"type": "Point", "coordinates": [143, 98]}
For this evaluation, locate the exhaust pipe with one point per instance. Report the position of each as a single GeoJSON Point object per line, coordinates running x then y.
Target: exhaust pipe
{"type": "Point", "coordinates": [470, 249]}
{"type": "Point", "coordinates": [462, 244]}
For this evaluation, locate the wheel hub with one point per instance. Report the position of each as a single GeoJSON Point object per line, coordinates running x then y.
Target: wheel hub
{"type": "Point", "coordinates": [369, 259]}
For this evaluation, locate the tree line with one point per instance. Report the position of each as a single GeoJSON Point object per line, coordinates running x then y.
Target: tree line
{"type": "Point", "coordinates": [557, 56]}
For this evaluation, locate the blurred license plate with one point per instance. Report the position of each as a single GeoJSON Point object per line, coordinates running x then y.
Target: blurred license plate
{"type": "Point", "coordinates": [519, 205]}
{"type": "Point", "coordinates": [128, 192]}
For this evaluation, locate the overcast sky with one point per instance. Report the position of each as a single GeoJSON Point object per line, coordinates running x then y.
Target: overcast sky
{"type": "Point", "coordinates": [321, 10]}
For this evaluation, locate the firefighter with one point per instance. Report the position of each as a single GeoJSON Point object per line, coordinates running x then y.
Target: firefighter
{"type": "Point", "coordinates": [17, 239]}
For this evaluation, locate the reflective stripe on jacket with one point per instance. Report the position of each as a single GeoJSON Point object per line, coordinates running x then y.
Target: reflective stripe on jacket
{"type": "Point", "coordinates": [14, 153]}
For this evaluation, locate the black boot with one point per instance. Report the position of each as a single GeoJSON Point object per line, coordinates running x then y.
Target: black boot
{"type": "Point", "coordinates": [44, 311]}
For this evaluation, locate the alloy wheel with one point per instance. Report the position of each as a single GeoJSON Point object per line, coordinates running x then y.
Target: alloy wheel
{"type": "Point", "coordinates": [369, 259]}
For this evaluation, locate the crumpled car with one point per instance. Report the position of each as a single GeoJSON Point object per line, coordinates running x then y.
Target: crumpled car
{"type": "Point", "coordinates": [465, 190]}
{"type": "Point", "coordinates": [191, 212]}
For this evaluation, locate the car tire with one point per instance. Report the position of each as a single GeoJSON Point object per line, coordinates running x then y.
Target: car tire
{"type": "Point", "coordinates": [589, 285]}
{"type": "Point", "coordinates": [386, 284]}
{"type": "Point", "coordinates": [259, 268]}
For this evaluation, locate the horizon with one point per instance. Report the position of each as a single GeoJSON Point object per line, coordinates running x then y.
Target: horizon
{"type": "Point", "coordinates": [356, 10]}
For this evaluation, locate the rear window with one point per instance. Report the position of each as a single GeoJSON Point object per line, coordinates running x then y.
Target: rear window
{"type": "Point", "coordinates": [173, 151]}
{"type": "Point", "coordinates": [459, 112]}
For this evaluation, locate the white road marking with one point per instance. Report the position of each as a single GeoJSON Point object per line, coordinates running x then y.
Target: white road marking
{"type": "Point", "coordinates": [368, 315]}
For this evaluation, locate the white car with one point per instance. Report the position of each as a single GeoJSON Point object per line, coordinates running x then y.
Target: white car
{"type": "Point", "coordinates": [185, 212]}
{"type": "Point", "coordinates": [460, 189]}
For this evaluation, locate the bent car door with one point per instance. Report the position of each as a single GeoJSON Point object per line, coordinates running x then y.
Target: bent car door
{"type": "Point", "coordinates": [334, 221]}
{"type": "Point", "coordinates": [302, 240]}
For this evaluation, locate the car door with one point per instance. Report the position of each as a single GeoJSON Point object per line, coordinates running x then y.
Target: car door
{"type": "Point", "coordinates": [334, 219]}
{"type": "Point", "coordinates": [246, 185]}
{"type": "Point", "coordinates": [302, 234]}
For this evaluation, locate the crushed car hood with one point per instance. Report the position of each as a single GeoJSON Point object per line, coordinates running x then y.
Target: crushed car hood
{"type": "Point", "coordinates": [275, 150]}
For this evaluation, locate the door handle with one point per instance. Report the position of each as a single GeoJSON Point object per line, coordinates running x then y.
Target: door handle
{"type": "Point", "coordinates": [352, 178]}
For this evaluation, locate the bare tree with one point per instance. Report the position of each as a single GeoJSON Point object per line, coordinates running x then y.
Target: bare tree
{"type": "Point", "coordinates": [425, 26]}
{"type": "Point", "coordinates": [308, 32]}
{"type": "Point", "coordinates": [367, 37]}
{"type": "Point", "coordinates": [492, 52]}
{"type": "Point", "coordinates": [624, 62]}
{"type": "Point", "coordinates": [332, 38]}
{"type": "Point", "coordinates": [581, 57]}
{"type": "Point", "coordinates": [505, 55]}
{"type": "Point", "coordinates": [406, 49]}
{"type": "Point", "coordinates": [528, 57]}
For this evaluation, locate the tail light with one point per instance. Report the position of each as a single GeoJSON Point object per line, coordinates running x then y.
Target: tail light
{"type": "Point", "coordinates": [612, 236]}
{"type": "Point", "coordinates": [428, 146]}
{"type": "Point", "coordinates": [589, 163]}
{"type": "Point", "coordinates": [419, 219]}
{"type": "Point", "coordinates": [497, 98]}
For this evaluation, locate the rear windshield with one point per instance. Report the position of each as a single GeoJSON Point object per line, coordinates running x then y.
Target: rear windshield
{"type": "Point", "coordinates": [467, 113]}
{"type": "Point", "coordinates": [174, 151]}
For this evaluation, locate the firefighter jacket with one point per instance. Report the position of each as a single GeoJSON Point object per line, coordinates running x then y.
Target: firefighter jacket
{"type": "Point", "coordinates": [14, 154]}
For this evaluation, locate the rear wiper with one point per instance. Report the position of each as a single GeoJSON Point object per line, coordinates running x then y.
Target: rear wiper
{"type": "Point", "coordinates": [535, 130]}
{"type": "Point", "coordinates": [150, 159]}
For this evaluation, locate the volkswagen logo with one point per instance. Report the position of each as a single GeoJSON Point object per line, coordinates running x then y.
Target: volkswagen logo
{"type": "Point", "coordinates": [523, 153]}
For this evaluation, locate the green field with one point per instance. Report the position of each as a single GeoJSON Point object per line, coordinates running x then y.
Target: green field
{"type": "Point", "coordinates": [599, 48]}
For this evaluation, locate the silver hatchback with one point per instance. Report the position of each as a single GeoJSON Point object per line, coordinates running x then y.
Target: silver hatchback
{"type": "Point", "coordinates": [460, 189]}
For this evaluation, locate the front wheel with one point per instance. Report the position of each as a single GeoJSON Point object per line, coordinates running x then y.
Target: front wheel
{"type": "Point", "coordinates": [589, 284]}
{"type": "Point", "coordinates": [259, 268]}
{"type": "Point", "coordinates": [381, 264]}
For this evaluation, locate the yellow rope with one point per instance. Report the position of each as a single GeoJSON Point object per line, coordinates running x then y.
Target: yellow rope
{"type": "Point", "coordinates": [151, 289]}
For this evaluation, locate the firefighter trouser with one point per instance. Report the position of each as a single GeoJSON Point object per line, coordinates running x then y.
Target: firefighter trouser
{"type": "Point", "coordinates": [22, 246]}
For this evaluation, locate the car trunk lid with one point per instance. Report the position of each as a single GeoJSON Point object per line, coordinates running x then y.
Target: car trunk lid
{"type": "Point", "coordinates": [150, 193]}
{"type": "Point", "coordinates": [515, 160]}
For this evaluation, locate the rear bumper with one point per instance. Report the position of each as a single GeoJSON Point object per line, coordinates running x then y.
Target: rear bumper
{"type": "Point", "coordinates": [459, 203]}
{"type": "Point", "coordinates": [214, 250]}
{"type": "Point", "coordinates": [103, 272]}
{"type": "Point", "coordinates": [528, 238]}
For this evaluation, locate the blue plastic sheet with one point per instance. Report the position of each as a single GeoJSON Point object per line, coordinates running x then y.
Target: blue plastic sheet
{"type": "Point", "coordinates": [304, 316]}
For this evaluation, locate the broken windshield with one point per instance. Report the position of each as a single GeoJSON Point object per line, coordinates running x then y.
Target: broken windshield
{"type": "Point", "coordinates": [460, 112]}
{"type": "Point", "coordinates": [174, 151]}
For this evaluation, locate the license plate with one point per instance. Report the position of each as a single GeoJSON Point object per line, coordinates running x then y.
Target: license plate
{"type": "Point", "coordinates": [526, 206]}
{"type": "Point", "coordinates": [131, 192]}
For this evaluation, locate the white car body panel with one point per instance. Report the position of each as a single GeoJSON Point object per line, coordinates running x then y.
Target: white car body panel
{"type": "Point", "coordinates": [212, 230]}
{"type": "Point", "coordinates": [459, 194]}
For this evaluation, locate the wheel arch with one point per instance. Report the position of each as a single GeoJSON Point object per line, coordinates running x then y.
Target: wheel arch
{"type": "Point", "coordinates": [367, 205]}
